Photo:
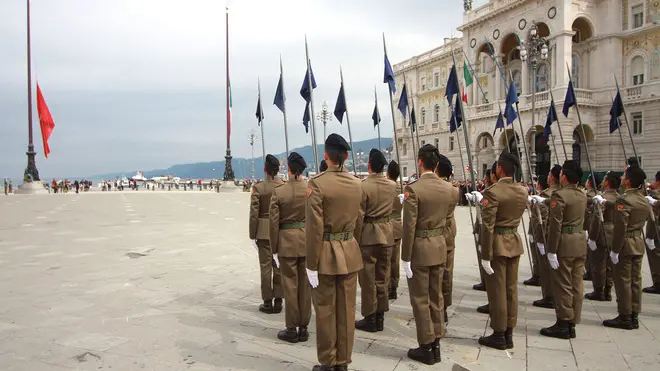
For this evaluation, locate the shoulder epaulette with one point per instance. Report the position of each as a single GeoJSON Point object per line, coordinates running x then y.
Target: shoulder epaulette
{"type": "Point", "coordinates": [318, 175]}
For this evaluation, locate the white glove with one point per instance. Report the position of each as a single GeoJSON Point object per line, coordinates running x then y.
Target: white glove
{"type": "Point", "coordinates": [650, 244]}
{"type": "Point", "coordinates": [541, 247]}
{"type": "Point", "coordinates": [313, 278]}
{"type": "Point", "coordinates": [552, 259]}
{"type": "Point", "coordinates": [587, 234]}
{"type": "Point", "coordinates": [469, 197]}
{"type": "Point", "coordinates": [485, 264]}
{"type": "Point", "coordinates": [407, 268]}
{"type": "Point", "coordinates": [538, 199]}
{"type": "Point", "coordinates": [254, 243]}
{"type": "Point", "coordinates": [592, 245]}
{"type": "Point", "coordinates": [651, 200]}
{"type": "Point", "coordinates": [599, 199]}
{"type": "Point", "coordinates": [614, 257]}
{"type": "Point", "coordinates": [477, 196]}
{"type": "Point", "coordinates": [529, 199]}
{"type": "Point", "coordinates": [531, 238]}
{"type": "Point", "coordinates": [277, 261]}
{"type": "Point", "coordinates": [401, 198]}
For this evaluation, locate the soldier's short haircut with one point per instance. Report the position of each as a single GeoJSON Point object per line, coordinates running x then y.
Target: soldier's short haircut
{"type": "Point", "coordinates": [429, 156]}
{"type": "Point", "coordinates": [657, 176]}
{"type": "Point", "coordinates": [636, 176]}
{"type": "Point", "coordinates": [572, 171]}
{"type": "Point", "coordinates": [613, 180]}
{"type": "Point", "coordinates": [393, 171]}
{"type": "Point", "coordinates": [556, 172]}
{"type": "Point", "coordinates": [272, 165]}
{"type": "Point", "coordinates": [509, 163]}
{"type": "Point", "coordinates": [324, 166]}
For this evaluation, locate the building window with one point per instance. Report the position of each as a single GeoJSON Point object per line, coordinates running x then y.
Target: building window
{"type": "Point", "coordinates": [423, 83]}
{"type": "Point", "coordinates": [405, 171]}
{"type": "Point", "coordinates": [542, 78]}
{"type": "Point", "coordinates": [405, 149]}
{"type": "Point", "coordinates": [437, 143]}
{"type": "Point", "coordinates": [451, 143]}
{"type": "Point", "coordinates": [436, 113]}
{"type": "Point", "coordinates": [436, 79]}
{"type": "Point", "coordinates": [638, 123]}
{"type": "Point", "coordinates": [423, 117]}
{"type": "Point", "coordinates": [575, 70]}
{"type": "Point", "coordinates": [638, 15]}
{"type": "Point", "coordinates": [484, 142]}
{"type": "Point", "coordinates": [637, 69]}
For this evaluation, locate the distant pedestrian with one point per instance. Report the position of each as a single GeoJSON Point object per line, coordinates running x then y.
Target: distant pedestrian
{"type": "Point", "coordinates": [6, 185]}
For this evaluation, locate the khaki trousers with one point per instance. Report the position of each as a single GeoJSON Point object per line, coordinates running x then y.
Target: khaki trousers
{"type": "Point", "coordinates": [427, 302]}
{"type": "Point", "coordinates": [601, 268]}
{"type": "Point", "coordinates": [394, 266]}
{"type": "Point", "coordinates": [297, 292]}
{"type": "Point", "coordinates": [568, 289]}
{"type": "Point", "coordinates": [271, 281]}
{"type": "Point", "coordinates": [448, 279]}
{"type": "Point", "coordinates": [536, 259]}
{"type": "Point", "coordinates": [545, 272]}
{"type": "Point", "coordinates": [628, 284]}
{"type": "Point", "coordinates": [502, 289]}
{"type": "Point", "coordinates": [374, 279]}
{"type": "Point", "coordinates": [654, 263]}
{"type": "Point", "coordinates": [334, 304]}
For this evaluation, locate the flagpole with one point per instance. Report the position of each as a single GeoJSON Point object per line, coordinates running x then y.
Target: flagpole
{"type": "Point", "coordinates": [286, 130]}
{"type": "Point", "coordinates": [561, 136]}
{"type": "Point", "coordinates": [229, 172]}
{"type": "Point", "coordinates": [412, 133]}
{"type": "Point", "coordinates": [415, 127]}
{"type": "Point", "coordinates": [311, 107]}
{"type": "Point", "coordinates": [31, 160]}
{"type": "Point", "coordinates": [396, 140]}
{"type": "Point", "coordinates": [380, 147]}
{"type": "Point", "coordinates": [260, 122]}
{"type": "Point", "coordinates": [348, 120]}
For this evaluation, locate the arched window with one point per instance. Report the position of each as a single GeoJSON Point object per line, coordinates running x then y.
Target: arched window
{"type": "Point", "coordinates": [517, 81]}
{"type": "Point", "coordinates": [575, 70]}
{"type": "Point", "coordinates": [542, 77]}
{"type": "Point", "coordinates": [423, 116]}
{"type": "Point", "coordinates": [436, 113]}
{"type": "Point", "coordinates": [637, 70]}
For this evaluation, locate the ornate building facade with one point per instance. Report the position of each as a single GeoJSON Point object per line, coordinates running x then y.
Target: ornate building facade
{"type": "Point", "coordinates": [596, 40]}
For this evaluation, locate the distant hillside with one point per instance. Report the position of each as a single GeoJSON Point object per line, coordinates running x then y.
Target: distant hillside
{"type": "Point", "coordinates": [243, 166]}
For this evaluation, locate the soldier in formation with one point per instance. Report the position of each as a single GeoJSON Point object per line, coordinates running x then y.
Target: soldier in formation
{"type": "Point", "coordinates": [444, 171]}
{"type": "Point", "coordinates": [395, 218]}
{"type": "Point", "coordinates": [653, 240]}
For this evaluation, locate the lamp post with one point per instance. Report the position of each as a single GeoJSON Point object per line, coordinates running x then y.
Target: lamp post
{"type": "Point", "coordinates": [535, 48]}
{"type": "Point", "coordinates": [325, 117]}
{"type": "Point", "coordinates": [252, 138]}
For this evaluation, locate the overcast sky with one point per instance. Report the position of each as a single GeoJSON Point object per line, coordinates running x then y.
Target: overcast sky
{"type": "Point", "coordinates": [140, 84]}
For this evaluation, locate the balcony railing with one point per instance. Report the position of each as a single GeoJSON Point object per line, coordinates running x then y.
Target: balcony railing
{"type": "Point", "coordinates": [634, 92]}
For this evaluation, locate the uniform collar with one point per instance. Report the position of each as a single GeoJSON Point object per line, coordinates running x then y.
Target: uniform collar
{"type": "Point", "coordinates": [336, 169]}
{"type": "Point", "coordinates": [507, 180]}
{"type": "Point", "coordinates": [610, 191]}
{"type": "Point", "coordinates": [574, 186]}
{"type": "Point", "coordinates": [632, 190]}
{"type": "Point", "coordinates": [429, 174]}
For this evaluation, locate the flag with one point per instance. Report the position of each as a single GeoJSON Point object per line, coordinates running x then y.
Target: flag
{"type": "Point", "coordinates": [569, 101]}
{"type": "Point", "coordinates": [376, 115]}
{"type": "Point", "coordinates": [452, 84]}
{"type": "Point", "coordinates": [500, 123]}
{"type": "Point", "coordinates": [305, 91]}
{"type": "Point", "coordinates": [615, 112]}
{"type": "Point", "coordinates": [456, 116]}
{"type": "Point", "coordinates": [340, 106]}
{"type": "Point", "coordinates": [413, 121]}
{"type": "Point", "coordinates": [464, 97]}
{"type": "Point", "coordinates": [279, 95]}
{"type": "Point", "coordinates": [306, 118]}
{"type": "Point", "coordinates": [403, 101]}
{"type": "Point", "coordinates": [467, 81]}
{"type": "Point", "coordinates": [389, 75]}
{"type": "Point", "coordinates": [45, 120]}
{"type": "Point", "coordinates": [552, 117]}
{"type": "Point", "coordinates": [260, 111]}
{"type": "Point", "coordinates": [511, 99]}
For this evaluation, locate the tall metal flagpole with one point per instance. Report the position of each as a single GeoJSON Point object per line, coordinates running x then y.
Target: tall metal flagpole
{"type": "Point", "coordinates": [261, 124]}
{"type": "Point", "coordinates": [229, 173]}
{"type": "Point", "coordinates": [348, 121]}
{"type": "Point", "coordinates": [412, 134]}
{"type": "Point", "coordinates": [31, 161]}
{"type": "Point", "coordinates": [561, 136]}
{"type": "Point", "coordinates": [396, 140]}
{"type": "Point", "coordinates": [286, 130]}
{"type": "Point", "coordinates": [311, 107]}
{"type": "Point", "coordinates": [380, 147]}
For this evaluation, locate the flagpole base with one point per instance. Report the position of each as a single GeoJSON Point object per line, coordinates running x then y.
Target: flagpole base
{"type": "Point", "coordinates": [31, 188]}
{"type": "Point", "coordinates": [229, 172]}
{"type": "Point", "coordinates": [31, 169]}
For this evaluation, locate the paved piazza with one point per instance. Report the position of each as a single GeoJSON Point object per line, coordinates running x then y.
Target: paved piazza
{"type": "Point", "coordinates": [169, 281]}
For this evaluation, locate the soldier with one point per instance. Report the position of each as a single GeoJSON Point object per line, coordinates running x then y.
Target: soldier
{"type": "Point", "coordinates": [287, 241]}
{"type": "Point", "coordinates": [567, 251]}
{"type": "Point", "coordinates": [444, 171]}
{"type": "Point", "coordinates": [333, 255]}
{"type": "Point", "coordinates": [374, 234]}
{"type": "Point", "coordinates": [547, 300]}
{"type": "Point", "coordinates": [481, 286]}
{"type": "Point", "coordinates": [652, 240]}
{"type": "Point", "coordinates": [424, 252]}
{"type": "Point", "coordinates": [592, 191]}
{"type": "Point", "coordinates": [484, 309]}
{"type": "Point", "coordinates": [599, 240]}
{"type": "Point", "coordinates": [501, 247]}
{"type": "Point", "coordinates": [260, 234]}
{"type": "Point", "coordinates": [397, 199]}
{"type": "Point", "coordinates": [534, 238]}
{"type": "Point", "coordinates": [627, 254]}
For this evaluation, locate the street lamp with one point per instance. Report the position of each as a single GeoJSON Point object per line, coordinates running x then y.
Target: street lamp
{"type": "Point", "coordinates": [325, 117]}
{"type": "Point", "coordinates": [535, 48]}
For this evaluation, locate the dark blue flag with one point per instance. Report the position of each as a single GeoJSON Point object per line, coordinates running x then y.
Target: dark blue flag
{"type": "Point", "coordinates": [456, 116]}
{"type": "Point", "coordinates": [306, 118]}
{"type": "Point", "coordinates": [615, 112]}
{"type": "Point", "coordinates": [511, 99]}
{"type": "Point", "coordinates": [403, 101]}
{"type": "Point", "coordinates": [413, 121]}
{"type": "Point", "coordinates": [279, 95]}
{"type": "Point", "coordinates": [389, 75]}
{"type": "Point", "coordinates": [305, 91]}
{"type": "Point", "coordinates": [552, 117]}
{"type": "Point", "coordinates": [260, 111]}
{"type": "Point", "coordinates": [500, 123]}
{"type": "Point", "coordinates": [376, 115]}
{"type": "Point", "coordinates": [452, 85]}
{"type": "Point", "coordinates": [340, 106]}
{"type": "Point", "coordinates": [569, 101]}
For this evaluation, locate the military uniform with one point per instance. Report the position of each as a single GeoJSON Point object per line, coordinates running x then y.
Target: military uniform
{"type": "Point", "coordinates": [652, 226]}
{"type": "Point", "coordinates": [260, 231]}
{"type": "Point", "coordinates": [540, 228]}
{"type": "Point", "coordinates": [601, 266]}
{"type": "Point", "coordinates": [333, 205]}
{"type": "Point", "coordinates": [450, 239]}
{"type": "Point", "coordinates": [589, 215]}
{"type": "Point", "coordinates": [395, 217]}
{"type": "Point", "coordinates": [287, 240]}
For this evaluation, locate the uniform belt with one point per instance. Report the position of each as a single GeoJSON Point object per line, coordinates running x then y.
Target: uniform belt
{"type": "Point", "coordinates": [570, 229]}
{"type": "Point", "coordinates": [395, 216]}
{"type": "Point", "coordinates": [384, 219]}
{"type": "Point", "coordinates": [506, 230]}
{"type": "Point", "coordinates": [294, 225]}
{"type": "Point", "coordinates": [338, 236]}
{"type": "Point", "coordinates": [424, 233]}
{"type": "Point", "coordinates": [633, 234]}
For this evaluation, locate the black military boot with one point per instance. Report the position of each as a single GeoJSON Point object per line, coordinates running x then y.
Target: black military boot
{"type": "Point", "coordinates": [446, 316]}
{"type": "Point", "coordinates": [571, 330]}
{"type": "Point", "coordinates": [483, 309]}
{"type": "Point", "coordinates": [341, 368]}
{"type": "Point", "coordinates": [422, 354]}
{"type": "Point", "coordinates": [277, 308]}
{"type": "Point", "coordinates": [392, 295]}
{"type": "Point", "coordinates": [380, 321]}
{"type": "Point", "coordinates": [546, 302]}
{"type": "Point", "coordinates": [560, 330]}
{"type": "Point", "coordinates": [323, 368]}
{"type": "Point", "coordinates": [435, 348]}
{"type": "Point", "coordinates": [303, 335]}
{"type": "Point", "coordinates": [634, 318]}
{"type": "Point", "coordinates": [266, 307]}
{"type": "Point", "coordinates": [479, 286]}
{"type": "Point", "coordinates": [496, 340]}
{"type": "Point", "coordinates": [621, 321]}
{"type": "Point", "coordinates": [508, 336]}
{"type": "Point", "coordinates": [607, 292]}
{"type": "Point", "coordinates": [289, 334]}
{"type": "Point", "coordinates": [367, 324]}
{"type": "Point", "coordinates": [598, 294]}
{"type": "Point", "coordinates": [654, 289]}
{"type": "Point", "coordinates": [534, 281]}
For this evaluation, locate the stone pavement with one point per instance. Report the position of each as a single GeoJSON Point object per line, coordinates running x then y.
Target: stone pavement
{"type": "Point", "coordinates": [169, 281]}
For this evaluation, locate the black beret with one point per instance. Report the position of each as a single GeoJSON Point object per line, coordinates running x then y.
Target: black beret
{"type": "Point", "coordinates": [324, 166]}
{"type": "Point", "coordinates": [272, 162]}
{"type": "Point", "coordinates": [657, 176]}
{"type": "Point", "coordinates": [633, 161]}
{"type": "Point", "coordinates": [598, 180]}
{"type": "Point", "coordinates": [510, 158]}
{"type": "Point", "coordinates": [556, 171]}
{"type": "Point", "coordinates": [377, 158]}
{"type": "Point", "coordinates": [336, 141]}
{"type": "Point", "coordinates": [296, 162]}
{"type": "Point", "coordinates": [393, 169]}
{"type": "Point", "coordinates": [445, 164]}
{"type": "Point", "coordinates": [428, 148]}
{"type": "Point", "coordinates": [572, 167]}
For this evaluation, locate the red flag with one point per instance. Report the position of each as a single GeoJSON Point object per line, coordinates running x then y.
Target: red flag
{"type": "Point", "coordinates": [45, 120]}
{"type": "Point", "coordinates": [464, 96]}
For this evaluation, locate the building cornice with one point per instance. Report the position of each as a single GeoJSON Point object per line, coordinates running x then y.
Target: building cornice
{"type": "Point", "coordinates": [509, 5]}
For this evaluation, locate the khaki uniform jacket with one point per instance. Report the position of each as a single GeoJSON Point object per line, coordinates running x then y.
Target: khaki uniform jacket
{"type": "Point", "coordinates": [259, 207]}
{"type": "Point", "coordinates": [373, 223]}
{"type": "Point", "coordinates": [450, 226]}
{"type": "Point", "coordinates": [632, 211]}
{"type": "Point", "coordinates": [596, 228]}
{"type": "Point", "coordinates": [567, 207]}
{"type": "Point", "coordinates": [333, 205]}
{"type": "Point", "coordinates": [397, 209]}
{"type": "Point", "coordinates": [651, 231]}
{"type": "Point", "coordinates": [287, 205]}
{"type": "Point", "coordinates": [425, 207]}
{"type": "Point", "coordinates": [539, 227]}
{"type": "Point", "coordinates": [503, 206]}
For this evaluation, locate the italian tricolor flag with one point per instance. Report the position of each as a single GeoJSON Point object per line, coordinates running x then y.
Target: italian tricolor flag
{"type": "Point", "coordinates": [467, 81]}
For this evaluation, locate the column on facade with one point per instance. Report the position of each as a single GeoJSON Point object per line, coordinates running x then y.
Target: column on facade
{"type": "Point", "coordinates": [564, 55]}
